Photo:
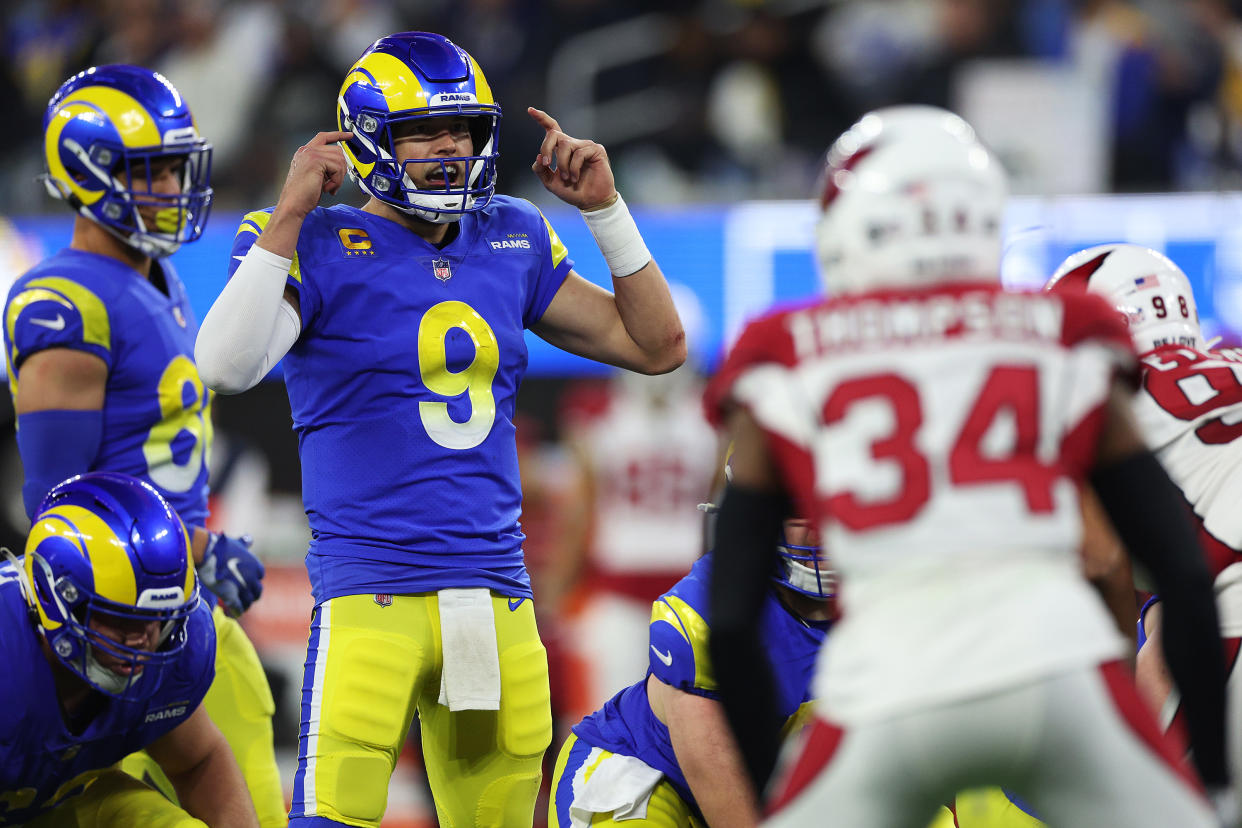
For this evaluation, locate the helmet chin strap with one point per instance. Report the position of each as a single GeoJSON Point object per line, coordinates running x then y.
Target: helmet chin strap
{"type": "Point", "coordinates": [804, 577]}
{"type": "Point", "coordinates": [153, 248]}
{"type": "Point", "coordinates": [109, 681]}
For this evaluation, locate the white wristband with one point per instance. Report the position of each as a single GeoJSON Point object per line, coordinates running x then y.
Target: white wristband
{"type": "Point", "coordinates": [618, 238]}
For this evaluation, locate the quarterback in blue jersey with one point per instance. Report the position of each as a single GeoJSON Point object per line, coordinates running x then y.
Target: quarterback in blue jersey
{"type": "Point", "coordinates": [403, 326]}
{"type": "Point", "coordinates": [99, 346]}
{"type": "Point", "coordinates": [109, 650]}
{"type": "Point", "coordinates": [659, 753]}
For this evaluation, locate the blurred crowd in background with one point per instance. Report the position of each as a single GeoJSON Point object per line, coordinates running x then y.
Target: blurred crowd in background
{"type": "Point", "coordinates": [696, 101]}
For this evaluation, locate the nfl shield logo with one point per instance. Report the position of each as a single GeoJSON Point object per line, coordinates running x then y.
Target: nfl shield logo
{"type": "Point", "coordinates": [440, 267]}
{"type": "Point", "coordinates": [383, 599]}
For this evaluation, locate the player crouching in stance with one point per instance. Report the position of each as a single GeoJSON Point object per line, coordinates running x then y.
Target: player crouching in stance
{"type": "Point", "coordinates": [939, 430]}
{"type": "Point", "coordinates": [659, 753]}
{"type": "Point", "coordinates": [110, 650]}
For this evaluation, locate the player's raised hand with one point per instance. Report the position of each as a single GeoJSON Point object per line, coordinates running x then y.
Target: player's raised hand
{"type": "Point", "coordinates": [575, 170]}
{"type": "Point", "coordinates": [317, 167]}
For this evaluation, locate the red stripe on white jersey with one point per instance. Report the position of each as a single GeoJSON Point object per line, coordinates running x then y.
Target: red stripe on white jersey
{"type": "Point", "coordinates": [1138, 716]}
{"type": "Point", "coordinates": [822, 740]}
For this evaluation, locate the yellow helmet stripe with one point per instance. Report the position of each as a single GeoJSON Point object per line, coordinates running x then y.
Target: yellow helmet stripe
{"type": "Point", "coordinates": [131, 119]}
{"type": "Point", "coordinates": [482, 89]}
{"type": "Point", "coordinates": [133, 124]}
{"type": "Point", "coordinates": [43, 529]}
{"type": "Point", "coordinates": [190, 572]}
{"type": "Point", "coordinates": [108, 554]}
{"type": "Point", "coordinates": [398, 84]}
{"type": "Point", "coordinates": [51, 154]}
{"type": "Point", "coordinates": [363, 169]}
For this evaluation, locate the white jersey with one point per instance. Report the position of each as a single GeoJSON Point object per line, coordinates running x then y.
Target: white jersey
{"type": "Point", "coordinates": [1190, 413]}
{"type": "Point", "coordinates": [652, 463]}
{"type": "Point", "coordinates": [940, 438]}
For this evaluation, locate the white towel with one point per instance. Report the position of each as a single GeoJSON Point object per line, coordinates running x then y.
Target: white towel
{"type": "Point", "coordinates": [470, 679]}
{"type": "Point", "coordinates": [619, 785]}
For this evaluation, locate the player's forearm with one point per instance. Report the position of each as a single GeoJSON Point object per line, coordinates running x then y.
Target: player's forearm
{"type": "Point", "coordinates": [650, 318]}
{"type": "Point", "coordinates": [642, 295]}
{"type": "Point", "coordinates": [215, 791]}
{"type": "Point", "coordinates": [714, 770]}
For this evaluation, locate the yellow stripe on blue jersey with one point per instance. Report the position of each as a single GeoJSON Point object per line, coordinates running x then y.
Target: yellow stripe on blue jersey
{"type": "Point", "coordinates": [255, 222]}
{"type": "Point", "coordinates": [402, 388]}
{"type": "Point", "coordinates": [694, 631]}
{"type": "Point", "coordinates": [559, 251]}
{"type": "Point", "coordinates": [70, 295]}
{"type": "Point", "coordinates": [156, 412]}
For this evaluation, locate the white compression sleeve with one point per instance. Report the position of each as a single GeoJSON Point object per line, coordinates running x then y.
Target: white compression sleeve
{"type": "Point", "coordinates": [249, 327]}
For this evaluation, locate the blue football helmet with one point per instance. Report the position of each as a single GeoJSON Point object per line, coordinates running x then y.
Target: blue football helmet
{"type": "Point", "coordinates": [103, 131]}
{"type": "Point", "coordinates": [107, 544]}
{"type": "Point", "coordinates": [406, 77]}
{"type": "Point", "coordinates": [803, 569]}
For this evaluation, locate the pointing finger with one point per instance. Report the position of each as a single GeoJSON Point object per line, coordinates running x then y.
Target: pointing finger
{"type": "Point", "coordinates": [329, 138]}
{"type": "Point", "coordinates": [543, 119]}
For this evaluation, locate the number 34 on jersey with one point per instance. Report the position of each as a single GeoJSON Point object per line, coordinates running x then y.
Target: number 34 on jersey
{"type": "Point", "coordinates": [932, 411]}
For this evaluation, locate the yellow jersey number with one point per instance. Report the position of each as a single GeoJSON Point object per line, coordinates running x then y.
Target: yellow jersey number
{"type": "Point", "coordinates": [177, 417]}
{"type": "Point", "coordinates": [474, 380]}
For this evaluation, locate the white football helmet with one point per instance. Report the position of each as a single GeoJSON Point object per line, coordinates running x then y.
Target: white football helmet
{"type": "Point", "coordinates": [909, 198]}
{"type": "Point", "coordinates": [1152, 292]}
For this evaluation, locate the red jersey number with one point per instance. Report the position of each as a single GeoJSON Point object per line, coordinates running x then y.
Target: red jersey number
{"type": "Point", "coordinates": [1009, 390]}
{"type": "Point", "coordinates": [898, 447]}
{"type": "Point", "coordinates": [1190, 385]}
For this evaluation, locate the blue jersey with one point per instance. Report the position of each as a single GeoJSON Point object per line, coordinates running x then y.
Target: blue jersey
{"type": "Point", "coordinates": [156, 412]}
{"type": "Point", "coordinates": [41, 761]}
{"type": "Point", "coordinates": [678, 656]}
{"type": "Point", "coordinates": [402, 387]}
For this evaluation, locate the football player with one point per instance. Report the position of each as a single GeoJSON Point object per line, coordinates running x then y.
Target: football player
{"type": "Point", "coordinates": [659, 753]}
{"type": "Point", "coordinates": [403, 323]}
{"type": "Point", "coordinates": [940, 429]}
{"type": "Point", "coordinates": [99, 341]}
{"type": "Point", "coordinates": [109, 650]}
{"type": "Point", "coordinates": [645, 456]}
{"type": "Point", "coordinates": [1189, 410]}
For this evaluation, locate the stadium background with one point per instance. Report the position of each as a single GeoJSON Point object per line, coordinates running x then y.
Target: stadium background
{"type": "Point", "coordinates": [1118, 119]}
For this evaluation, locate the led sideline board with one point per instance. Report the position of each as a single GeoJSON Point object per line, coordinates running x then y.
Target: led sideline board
{"type": "Point", "coordinates": [728, 263]}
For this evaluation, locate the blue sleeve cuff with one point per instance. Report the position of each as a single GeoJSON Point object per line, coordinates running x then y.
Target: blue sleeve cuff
{"type": "Point", "coordinates": [1142, 619]}
{"type": "Point", "coordinates": [55, 445]}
